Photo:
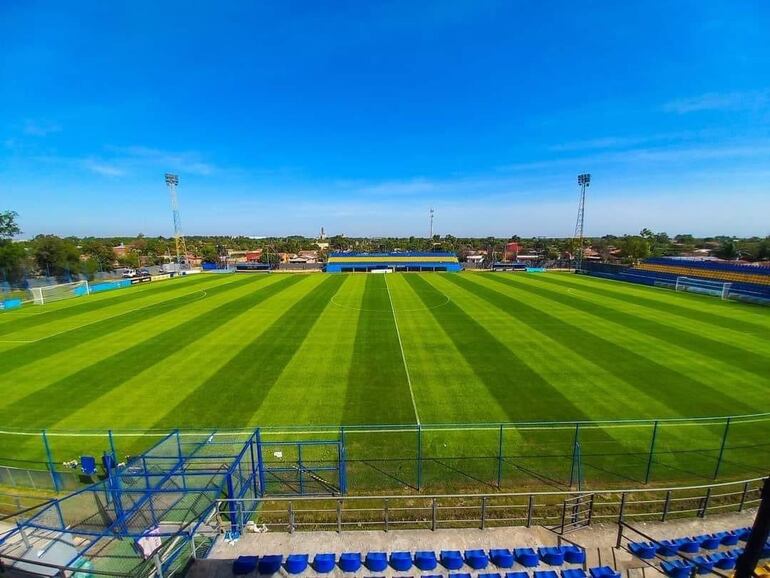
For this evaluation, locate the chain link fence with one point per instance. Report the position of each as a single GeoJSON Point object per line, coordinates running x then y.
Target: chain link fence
{"type": "Point", "coordinates": [453, 458]}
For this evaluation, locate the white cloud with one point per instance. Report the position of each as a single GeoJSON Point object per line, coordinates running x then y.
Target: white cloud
{"type": "Point", "coordinates": [40, 128]}
{"type": "Point", "coordinates": [719, 101]}
{"type": "Point", "coordinates": [182, 162]}
{"type": "Point", "coordinates": [102, 168]}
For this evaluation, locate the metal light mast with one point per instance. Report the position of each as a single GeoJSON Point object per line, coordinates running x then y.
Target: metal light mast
{"type": "Point", "coordinates": [584, 181]}
{"type": "Point", "coordinates": [181, 248]}
{"type": "Point", "coordinates": [431, 224]}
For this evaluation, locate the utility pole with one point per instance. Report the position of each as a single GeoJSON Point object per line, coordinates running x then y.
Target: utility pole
{"type": "Point", "coordinates": [584, 180]}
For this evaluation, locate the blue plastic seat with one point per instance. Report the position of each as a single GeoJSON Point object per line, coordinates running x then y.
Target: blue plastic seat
{"type": "Point", "coordinates": [432, 576]}
{"type": "Point", "coordinates": [573, 554]}
{"type": "Point", "coordinates": [573, 573]}
{"type": "Point", "coordinates": [401, 561]}
{"type": "Point", "coordinates": [476, 559]}
{"type": "Point", "coordinates": [501, 557]}
{"type": "Point", "coordinates": [270, 564]}
{"type": "Point", "coordinates": [727, 538]}
{"type": "Point", "coordinates": [324, 563]}
{"type": "Point", "coordinates": [296, 563]}
{"type": "Point", "coordinates": [743, 533]}
{"type": "Point", "coordinates": [677, 568]}
{"type": "Point", "coordinates": [688, 545]}
{"type": "Point", "coordinates": [526, 557]}
{"type": "Point", "coordinates": [668, 548]}
{"type": "Point", "coordinates": [376, 561]}
{"type": "Point", "coordinates": [552, 556]}
{"type": "Point", "coordinates": [708, 541]}
{"type": "Point", "coordinates": [518, 574]}
{"type": "Point", "coordinates": [88, 465]}
{"type": "Point", "coordinates": [488, 575]}
{"type": "Point", "coordinates": [460, 575]}
{"type": "Point", "coordinates": [603, 572]}
{"type": "Point", "coordinates": [245, 565]}
{"type": "Point", "coordinates": [704, 564]}
{"type": "Point", "coordinates": [350, 561]}
{"type": "Point", "coordinates": [724, 560]}
{"type": "Point", "coordinates": [425, 560]}
{"type": "Point", "coordinates": [643, 550]}
{"type": "Point", "coordinates": [546, 574]}
{"type": "Point", "coordinates": [451, 559]}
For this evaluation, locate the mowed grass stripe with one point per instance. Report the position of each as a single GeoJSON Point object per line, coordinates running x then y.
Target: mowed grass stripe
{"type": "Point", "coordinates": [317, 375]}
{"type": "Point", "coordinates": [743, 317]}
{"type": "Point", "coordinates": [520, 390]}
{"type": "Point", "coordinates": [72, 342]}
{"type": "Point", "coordinates": [700, 344]}
{"type": "Point", "coordinates": [233, 395]}
{"type": "Point", "coordinates": [641, 372]}
{"type": "Point", "coordinates": [593, 389]}
{"type": "Point", "coordinates": [92, 303]}
{"type": "Point", "coordinates": [378, 389]}
{"type": "Point", "coordinates": [434, 359]}
{"type": "Point", "coordinates": [48, 331]}
{"type": "Point", "coordinates": [149, 394]}
{"type": "Point", "coordinates": [39, 407]}
{"type": "Point", "coordinates": [728, 368]}
{"type": "Point", "coordinates": [729, 328]}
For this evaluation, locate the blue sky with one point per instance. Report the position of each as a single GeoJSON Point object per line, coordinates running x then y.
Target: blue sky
{"type": "Point", "coordinates": [282, 117]}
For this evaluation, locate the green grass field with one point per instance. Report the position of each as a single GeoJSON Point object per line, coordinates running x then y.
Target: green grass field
{"type": "Point", "coordinates": [231, 351]}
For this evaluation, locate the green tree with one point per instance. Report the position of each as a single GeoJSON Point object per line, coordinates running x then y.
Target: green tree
{"type": "Point", "coordinates": [727, 250]}
{"type": "Point", "coordinates": [634, 247]}
{"type": "Point", "coordinates": [56, 257]}
{"type": "Point", "coordinates": [208, 254]}
{"type": "Point", "coordinates": [9, 228]}
{"type": "Point", "coordinates": [12, 255]}
{"type": "Point", "coordinates": [100, 252]}
{"type": "Point", "coordinates": [129, 259]}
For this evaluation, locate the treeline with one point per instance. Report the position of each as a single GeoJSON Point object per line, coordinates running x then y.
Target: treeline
{"type": "Point", "coordinates": [59, 257]}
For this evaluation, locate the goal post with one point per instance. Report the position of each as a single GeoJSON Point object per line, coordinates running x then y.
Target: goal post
{"type": "Point", "coordinates": [51, 293]}
{"type": "Point", "coordinates": [719, 289]}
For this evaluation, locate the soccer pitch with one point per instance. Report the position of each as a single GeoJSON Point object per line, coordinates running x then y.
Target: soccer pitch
{"type": "Point", "coordinates": [236, 351]}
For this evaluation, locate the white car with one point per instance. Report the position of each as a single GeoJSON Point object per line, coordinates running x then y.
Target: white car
{"type": "Point", "coordinates": [129, 273]}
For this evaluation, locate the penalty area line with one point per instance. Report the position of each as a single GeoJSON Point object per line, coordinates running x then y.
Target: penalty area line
{"type": "Point", "coordinates": [403, 355]}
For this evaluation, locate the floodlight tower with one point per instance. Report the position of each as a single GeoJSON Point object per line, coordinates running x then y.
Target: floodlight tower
{"type": "Point", "coordinates": [584, 181]}
{"type": "Point", "coordinates": [431, 224]}
{"type": "Point", "coordinates": [181, 248]}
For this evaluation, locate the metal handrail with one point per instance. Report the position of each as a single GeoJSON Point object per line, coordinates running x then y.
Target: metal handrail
{"type": "Point", "coordinates": [510, 494]}
{"type": "Point", "coordinates": [385, 511]}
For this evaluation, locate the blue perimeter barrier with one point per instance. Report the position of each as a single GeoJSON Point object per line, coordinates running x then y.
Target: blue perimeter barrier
{"type": "Point", "coordinates": [109, 286]}
{"type": "Point", "coordinates": [7, 304]}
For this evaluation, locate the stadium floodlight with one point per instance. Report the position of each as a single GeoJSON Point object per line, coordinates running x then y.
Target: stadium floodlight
{"type": "Point", "coordinates": [584, 180]}
{"type": "Point", "coordinates": [181, 247]}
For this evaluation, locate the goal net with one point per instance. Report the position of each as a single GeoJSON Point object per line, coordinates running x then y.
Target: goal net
{"type": "Point", "coordinates": [51, 293]}
{"type": "Point", "coordinates": [703, 286]}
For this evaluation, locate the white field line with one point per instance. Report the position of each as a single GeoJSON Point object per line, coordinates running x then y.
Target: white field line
{"type": "Point", "coordinates": [403, 355]}
{"type": "Point", "coordinates": [158, 304]}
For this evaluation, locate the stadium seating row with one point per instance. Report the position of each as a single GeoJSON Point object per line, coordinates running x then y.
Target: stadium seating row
{"type": "Point", "coordinates": [644, 277]}
{"type": "Point", "coordinates": [755, 278]}
{"type": "Point", "coordinates": [422, 560]}
{"type": "Point", "coordinates": [702, 563]}
{"type": "Point", "coordinates": [402, 261]}
{"type": "Point", "coordinates": [689, 545]}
